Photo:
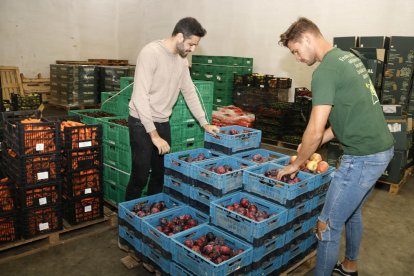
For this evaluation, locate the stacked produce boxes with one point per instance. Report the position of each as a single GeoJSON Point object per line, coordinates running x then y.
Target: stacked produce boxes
{"type": "Point", "coordinates": [110, 77]}
{"type": "Point", "coordinates": [220, 70]}
{"type": "Point", "coordinates": [9, 230]}
{"type": "Point", "coordinates": [31, 158]}
{"type": "Point", "coordinates": [258, 225]}
{"type": "Point", "coordinates": [82, 170]}
{"type": "Point", "coordinates": [73, 85]}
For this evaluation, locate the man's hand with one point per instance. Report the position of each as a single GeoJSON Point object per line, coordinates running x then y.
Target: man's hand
{"type": "Point", "coordinates": [290, 169]}
{"type": "Point", "coordinates": [160, 143]}
{"type": "Point", "coordinates": [212, 129]}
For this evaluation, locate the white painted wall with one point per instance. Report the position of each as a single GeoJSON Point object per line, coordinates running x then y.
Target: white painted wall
{"type": "Point", "coordinates": [36, 33]}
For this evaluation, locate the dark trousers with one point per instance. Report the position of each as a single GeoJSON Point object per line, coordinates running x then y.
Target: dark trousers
{"type": "Point", "coordinates": [145, 157]}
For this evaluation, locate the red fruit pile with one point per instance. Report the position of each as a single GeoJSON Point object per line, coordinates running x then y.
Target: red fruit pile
{"type": "Point", "coordinates": [176, 224]}
{"type": "Point", "coordinates": [144, 209]}
{"type": "Point", "coordinates": [247, 209]}
{"type": "Point", "coordinates": [272, 173]}
{"type": "Point", "coordinates": [190, 159]}
{"type": "Point", "coordinates": [221, 169]}
{"type": "Point", "coordinates": [212, 248]}
{"type": "Point", "coordinates": [233, 131]}
{"type": "Point", "coordinates": [258, 158]}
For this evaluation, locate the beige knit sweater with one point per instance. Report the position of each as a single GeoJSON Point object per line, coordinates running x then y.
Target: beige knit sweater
{"type": "Point", "coordinates": [159, 78]}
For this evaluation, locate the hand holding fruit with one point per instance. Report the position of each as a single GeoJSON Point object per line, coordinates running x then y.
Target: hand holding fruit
{"type": "Point", "coordinates": [212, 129]}
{"type": "Point", "coordinates": [315, 164]}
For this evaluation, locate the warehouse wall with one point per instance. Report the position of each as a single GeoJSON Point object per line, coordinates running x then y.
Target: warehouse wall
{"type": "Point", "coordinates": [36, 33]}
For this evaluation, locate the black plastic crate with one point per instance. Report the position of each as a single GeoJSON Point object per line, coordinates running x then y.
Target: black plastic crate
{"type": "Point", "coordinates": [40, 195]}
{"type": "Point", "coordinates": [19, 115]}
{"type": "Point", "coordinates": [34, 169]}
{"type": "Point", "coordinates": [81, 209]}
{"type": "Point", "coordinates": [9, 228]}
{"type": "Point", "coordinates": [28, 102]}
{"type": "Point", "coordinates": [82, 159]}
{"type": "Point", "coordinates": [7, 195]}
{"type": "Point", "coordinates": [39, 221]}
{"type": "Point", "coordinates": [77, 137]}
{"type": "Point", "coordinates": [31, 137]}
{"type": "Point", "coordinates": [83, 182]}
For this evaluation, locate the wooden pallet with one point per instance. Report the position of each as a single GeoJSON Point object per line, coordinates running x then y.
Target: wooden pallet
{"type": "Point", "coordinates": [35, 85]}
{"type": "Point", "coordinates": [20, 248]}
{"type": "Point", "coordinates": [302, 267]}
{"type": "Point", "coordinates": [10, 81]}
{"type": "Point", "coordinates": [394, 188]}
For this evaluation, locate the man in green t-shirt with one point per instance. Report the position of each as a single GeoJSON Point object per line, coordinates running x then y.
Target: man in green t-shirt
{"type": "Point", "coordinates": [343, 94]}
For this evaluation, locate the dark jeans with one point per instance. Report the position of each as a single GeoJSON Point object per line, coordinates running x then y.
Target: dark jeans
{"type": "Point", "coordinates": [145, 157]}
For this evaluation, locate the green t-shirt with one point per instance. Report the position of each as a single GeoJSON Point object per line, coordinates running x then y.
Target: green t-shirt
{"type": "Point", "coordinates": [356, 118]}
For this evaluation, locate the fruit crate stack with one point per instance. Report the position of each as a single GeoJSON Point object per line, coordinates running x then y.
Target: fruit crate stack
{"type": "Point", "coordinates": [220, 70]}
{"type": "Point", "coordinates": [254, 90]}
{"type": "Point", "coordinates": [31, 158]}
{"type": "Point", "coordinates": [238, 239]}
{"type": "Point", "coordinates": [82, 170]}
{"type": "Point", "coordinates": [186, 132]}
{"type": "Point", "coordinates": [9, 227]}
{"type": "Point", "coordinates": [27, 102]}
{"type": "Point", "coordinates": [110, 77]}
{"type": "Point", "coordinates": [73, 85]}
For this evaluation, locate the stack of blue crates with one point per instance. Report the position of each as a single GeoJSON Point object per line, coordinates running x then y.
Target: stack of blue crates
{"type": "Point", "coordinates": [270, 246]}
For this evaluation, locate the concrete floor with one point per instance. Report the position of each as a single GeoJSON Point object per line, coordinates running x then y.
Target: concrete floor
{"type": "Point", "coordinates": [387, 246]}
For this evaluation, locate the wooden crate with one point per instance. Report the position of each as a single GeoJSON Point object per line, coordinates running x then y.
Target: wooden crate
{"type": "Point", "coordinates": [10, 81]}
{"type": "Point", "coordinates": [36, 85]}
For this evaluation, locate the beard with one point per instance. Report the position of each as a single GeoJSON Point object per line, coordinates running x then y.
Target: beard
{"type": "Point", "coordinates": [181, 51]}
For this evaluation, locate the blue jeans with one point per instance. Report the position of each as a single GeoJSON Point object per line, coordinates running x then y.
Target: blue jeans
{"type": "Point", "coordinates": [350, 186]}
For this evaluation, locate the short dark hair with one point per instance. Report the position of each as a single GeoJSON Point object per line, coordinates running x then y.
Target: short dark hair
{"type": "Point", "coordinates": [297, 29]}
{"type": "Point", "coordinates": [189, 26]}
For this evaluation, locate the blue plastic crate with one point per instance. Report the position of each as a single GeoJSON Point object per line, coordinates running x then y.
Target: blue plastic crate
{"type": "Point", "coordinates": [219, 184]}
{"type": "Point", "coordinates": [156, 257]}
{"type": "Point", "coordinates": [318, 200]}
{"type": "Point", "coordinates": [294, 250]}
{"type": "Point", "coordinates": [300, 209]}
{"type": "Point", "coordinates": [242, 226]}
{"type": "Point", "coordinates": [275, 242]}
{"type": "Point", "coordinates": [311, 241]}
{"type": "Point", "coordinates": [177, 161]}
{"type": "Point", "coordinates": [269, 267]}
{"type": "Point", "coordinates": [230, 144]}
{"type": "Point", "coordinates": [163, 241]}
{"type": "Point", "coordinates": [199, 265]}
{"type": "Point", "coordinates": [201, 199]}
{"type": "Point", "coordinates": [254, 181]}
{"type": "Point", "coordinates": [178, 270]}
{"type": "Point", "coordinates": [129, 236]}
{"type": "Point", "coordinates": [177, 188]}
{"type": "Point", "coordinates": [268, 156]}
{"type": "Point", "coordinates": [131, 220]}
{"type": "Point", "coordinates": [320, 178]}
{"type": "Point", "coordinates": [299, 228]}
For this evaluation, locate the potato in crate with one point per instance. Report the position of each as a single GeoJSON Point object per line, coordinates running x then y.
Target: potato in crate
{"type": "Point", "coordinates": [8, 227]}
{"type": "Point", "coordinates": [207, 250]}
{"type": "Point", "coordinates": [261, 180]}
{"type": "Point", "coordinates": [248, 217]}
{"type": "Point", "coordinates": [7, 195]}
{"type": "Point", "coordinates": [233, 139]}
{"type": "Point", "coordinates": [179, 164]}
{"type": "Point", "coordinates": [159, 229]}
{"type": "Point", "coordinates": [32, 136]}
{"type": "Point", "coordinates": [261, 156]}
{"type": "Point", "coordinates": [131, 213]}
{"type": "Point", "coordinates": [39, 221]}
{"type": "Point", "coordinates": [85, 208]}
{"type": "Point", "coordinates": [219, 176]}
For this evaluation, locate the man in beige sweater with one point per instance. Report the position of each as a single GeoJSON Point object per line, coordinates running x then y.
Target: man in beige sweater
{"type": "Point", "coordinates": [161, 73]}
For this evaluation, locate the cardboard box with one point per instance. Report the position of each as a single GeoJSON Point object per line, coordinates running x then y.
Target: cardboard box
{"type": "Point", "coordinates": [374, 42]}
{"type": "Point", "coordinates": [346, 43]}
{"type": "Point", "coordinates": [373, 60]}
{"type": "Point", "coordinates": [401, 50]}
{"type": "Point", "coordinates": [403, 138]}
